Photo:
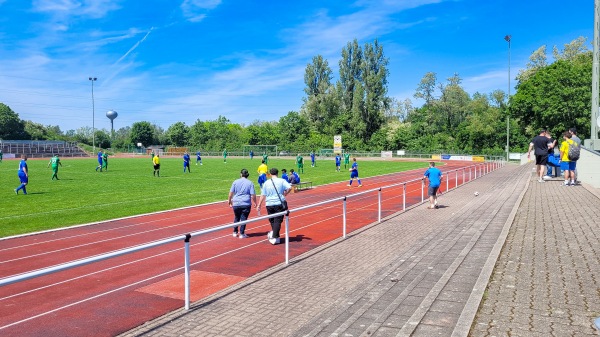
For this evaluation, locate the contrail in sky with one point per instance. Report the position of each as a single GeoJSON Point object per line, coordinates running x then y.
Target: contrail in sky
{"type": "Point", "coordinates": [124, 56]}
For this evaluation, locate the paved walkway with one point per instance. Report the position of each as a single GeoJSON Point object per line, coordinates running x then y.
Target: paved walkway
{"type": "Point", "coordinates": [425, 272]}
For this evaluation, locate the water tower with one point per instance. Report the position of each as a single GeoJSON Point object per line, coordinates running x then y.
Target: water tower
{"type": "Point", "coordinates": [112, 114]}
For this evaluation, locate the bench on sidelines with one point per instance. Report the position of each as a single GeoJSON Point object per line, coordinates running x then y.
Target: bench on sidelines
{"type": "Point", "coordinates": [303, 185]}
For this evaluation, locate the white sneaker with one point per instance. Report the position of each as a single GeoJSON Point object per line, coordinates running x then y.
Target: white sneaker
{"type": "Point", "coordinates": [270, 235]}
{"type": "Point", "coordinates": [547, 177]}
{"type": "Point", "coordinates": [243, 236]}
{"type": "Point", "coordinates": [541, 181]}
{"type": "Point", "coordinates": [274, 241]}
{"type": "Point", "coordinates": [566, 183]}
{"type": "Point", "coordinates": [234, 235]}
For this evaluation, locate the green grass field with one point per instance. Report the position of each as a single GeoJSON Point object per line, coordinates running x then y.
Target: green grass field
{"type": "Point", "coordinates": [83, 195]}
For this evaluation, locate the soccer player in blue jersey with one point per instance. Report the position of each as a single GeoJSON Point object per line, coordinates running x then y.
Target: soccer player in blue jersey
{"type": "Point", "coordinates": [354, 173]}
{"type": "Point", "coordinates": [312, 159]}
{"type": "Point", "coordinates": [251, 154]}
{"type": "Point", "coordinates": [186, 162]}
{"type": "Point", "coordinates": [284, 175]}
{"type": "Point", "coordinates": [338, 162]}
{"type": "Point", "coordinates": [23, 175]}
{"type": "Point", "coordinates": [435, 180]}
{"type": "Point", "coordinates": [99, 161]}
{"type": "Point", "coordinates": [198, 158]}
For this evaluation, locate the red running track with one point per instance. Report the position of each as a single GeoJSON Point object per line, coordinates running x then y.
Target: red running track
{"type": "Point", "coordinates": [112, 296]}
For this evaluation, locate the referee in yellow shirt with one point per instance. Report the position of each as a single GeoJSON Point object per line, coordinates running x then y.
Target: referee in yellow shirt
{"type": "Point", "coordinates": [262, 173]}
{"type": "Point", "coordinates": [156, 163]}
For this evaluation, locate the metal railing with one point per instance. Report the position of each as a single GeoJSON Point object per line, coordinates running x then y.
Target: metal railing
{"type": "Point", "coordinates": [474, 171]}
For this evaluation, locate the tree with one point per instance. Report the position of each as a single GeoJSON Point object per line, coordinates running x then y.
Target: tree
{"type": "Point", "coordinates": [426, 88]}
{"type": "Point", "coordinates": [571, 49]}
{"type": "Point", "coordinates": [350, 74]}
{"type": "Point", "coordinates": [319, 105]}
{"type": "Point", "coordinates": [557, 96]}
{"type": "Point", "coordinates": [293, 129]}
{"type": "Point", "coordinates": [178, 134]}
{"type": "Point", "coordinates": [142, 132]}
{"type": "Point", "coordinates": [11, 126]}
{"type": "Point", "coordinates": [537, 61]}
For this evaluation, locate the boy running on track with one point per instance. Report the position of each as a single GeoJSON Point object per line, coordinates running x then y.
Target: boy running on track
{"type": "Point", "coordinates": [54, 161]}
{"type": "Point", "coordinates": [300, 163]}
{"type": "Point", "coordinates": [354, 174]}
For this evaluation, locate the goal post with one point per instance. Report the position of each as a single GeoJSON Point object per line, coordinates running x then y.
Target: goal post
{"type": "Point", "coordinates": [259, 150]}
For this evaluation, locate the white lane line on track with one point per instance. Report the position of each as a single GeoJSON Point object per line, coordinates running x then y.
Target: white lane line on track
{"type": "Point", "coordinates": [109, 229]}
{"type": "Point", "coordinates": [155, 276]}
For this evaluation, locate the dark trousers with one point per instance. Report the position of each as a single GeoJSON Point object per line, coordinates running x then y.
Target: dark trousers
{"type": "Point", "coordinates": [275, 221]}
{"type": "Point", "coordinates": [240, 213]}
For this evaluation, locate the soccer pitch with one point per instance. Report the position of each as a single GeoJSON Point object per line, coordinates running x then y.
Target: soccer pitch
{"type": "Point", "coordinates": [83, 195]}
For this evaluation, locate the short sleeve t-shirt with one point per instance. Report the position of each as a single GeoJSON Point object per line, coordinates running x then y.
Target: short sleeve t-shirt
{"type": "Point", "coordinates": [564, 149]}
{"type": "Point", "coordinates": [435, 176]}
{"type": "Point", "coordinates": [54, 162]}
{"type": "Point", "coordinates": [242, 190]}
{"type": "Point", "coordinates": [540, 144]}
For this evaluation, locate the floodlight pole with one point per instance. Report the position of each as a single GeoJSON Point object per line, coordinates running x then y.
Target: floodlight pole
{"type": "Point", "coordinates": [507, 38]}
{"type": "Point", "coordinates": [93, 79]}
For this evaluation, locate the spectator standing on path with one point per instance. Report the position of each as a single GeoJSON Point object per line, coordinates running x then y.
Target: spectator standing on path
{"type": "Point", "coordinates": [54, 161]}
{"type": "Point", "coordinates": [273, 194]}
{"type": "Point", "coordinates": [241, 198]}
{"type": "Point", "coordinates": [198, 157]}
{"type": "Point", "coordinates": [434, 175]}
{"type": "Point", "coordinates": [540, 143]}
{"type": "Point", "coordinates": [186, 162]}
{"type": "Point", "coordinates": [156, 163]}
{"type": "Point", "coordinates": [354, 173]}
{"type": "Point", "coordinates": [573, 132]}
{"type": "Point", "coordinates": [552, 161]}
{"type": "Point", "coordinates": [23, 175]}
{"type": "Point", "coordinates": [300, 163]}
{"type": "Point", "coordinates": [262, 173]}
{"type": "Point", "coordinates": [567, 165]}
{"type": "Point", "coordinates": [99, 161]}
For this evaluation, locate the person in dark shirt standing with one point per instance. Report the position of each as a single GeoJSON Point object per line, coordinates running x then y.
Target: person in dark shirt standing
{"type": "Point", "coordinates": [540, 144]}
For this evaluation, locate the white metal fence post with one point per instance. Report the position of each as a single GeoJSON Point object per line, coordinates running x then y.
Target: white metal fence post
{"type": "Point", "coordinates": [287, 238]}
{"type": "Point", "coordinates": [422, 190]}
{"type": "Point", "coordinates": [447, 179]}
{"type": "Point", "coordinates": [344, 219]}
{"type": "Point", "coordinates": [379, 205]}
{"type": "Point", "coordinates": [403, 197]}
{"type": "Point", "coordinates": [187, 270]}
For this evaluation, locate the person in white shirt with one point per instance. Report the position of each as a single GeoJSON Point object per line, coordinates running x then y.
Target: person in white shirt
{"type": "Point", "coordinates": [273, 194]}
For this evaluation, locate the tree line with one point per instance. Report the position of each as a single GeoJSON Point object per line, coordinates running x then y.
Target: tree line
{"type": "Point", "coordinates": [553, 95]}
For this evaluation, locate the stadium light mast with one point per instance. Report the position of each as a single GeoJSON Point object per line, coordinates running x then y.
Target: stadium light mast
{"type": "Point", "coordinates": [93, 79]}
{"type": "Point", "coordinates": [594, 143]}
{"type": "Point", "coordinates": [507, 38]}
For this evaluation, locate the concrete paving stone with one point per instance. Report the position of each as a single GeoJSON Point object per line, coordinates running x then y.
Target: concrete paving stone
{"type": "Point", "coordinates": [440, 319]}
{"type": "Point", "coordinates": [424, 330]}
{"type": "Point", "coordinates": [451, 307]}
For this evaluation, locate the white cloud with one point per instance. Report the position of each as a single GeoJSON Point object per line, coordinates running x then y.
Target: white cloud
{"type": "Point", "coordinates": [195, 10]}
{"type": "Point", "coordinates": [67, 8]}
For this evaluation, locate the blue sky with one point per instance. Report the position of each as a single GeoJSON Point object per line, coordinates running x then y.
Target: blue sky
{"type": "Point", "coordinates": [165, 61]}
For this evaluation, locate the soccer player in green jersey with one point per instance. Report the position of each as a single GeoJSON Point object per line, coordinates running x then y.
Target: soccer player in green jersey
{"type": "Point", "coordinates": [105, 161]}
{"type": "Point", "coordinates": [300, 163]}
{"type": "Point", "coordinates": [54, 161]}
{"type": "Point", "coordinates": [1, 155]}
{"type": "Point", "coordinates": [266, 158]}
{"type": "Point", "coordinates": [346, 160]}
{"type": "Point", "coordinates": [225, 156]}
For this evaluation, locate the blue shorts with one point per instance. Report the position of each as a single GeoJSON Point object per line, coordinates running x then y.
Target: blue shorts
{"type": "Point", "coordinates": [568, 165]}
{"type": "Point", "coordinates": [353, 174]}
{"type": "Point", "coordinates": [24, 179]}
{"type": "Point", "coordinates": [186, 163]}
{"type": "Point", "coordinates": [261, 179]}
